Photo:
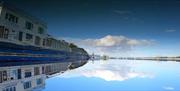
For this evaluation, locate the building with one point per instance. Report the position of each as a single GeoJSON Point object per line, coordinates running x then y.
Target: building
{"type": "Point", "coordinates": [21, 28]}
{"type": "Point", "coordinates": [24, 37]}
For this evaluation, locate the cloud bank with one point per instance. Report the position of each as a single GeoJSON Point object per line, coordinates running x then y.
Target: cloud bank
{"type": "Point", "coordinates": [110, 44]}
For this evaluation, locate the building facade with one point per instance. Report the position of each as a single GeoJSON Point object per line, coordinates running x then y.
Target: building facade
{"type": "Point", "coordinates": [19, 27]}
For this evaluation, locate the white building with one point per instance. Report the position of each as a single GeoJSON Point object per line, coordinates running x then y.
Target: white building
{"type": "Point", "coordinates": [21, 28]}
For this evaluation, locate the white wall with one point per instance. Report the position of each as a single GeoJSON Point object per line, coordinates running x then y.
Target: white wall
{"type": "Point", "coordinates": [20, 26]}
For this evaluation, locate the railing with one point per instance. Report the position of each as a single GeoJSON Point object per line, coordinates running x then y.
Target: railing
{"type": "Point", "coordinates": [4, 36]}
{"type": "Point", "coordinates": [8, 36]}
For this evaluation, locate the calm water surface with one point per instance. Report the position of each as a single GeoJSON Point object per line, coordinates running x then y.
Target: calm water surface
{"type": "Point", "coordinates": [115, 75]}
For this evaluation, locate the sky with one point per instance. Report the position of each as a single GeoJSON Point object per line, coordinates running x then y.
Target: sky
{"type": "Point", "coordinates": [112, 27]}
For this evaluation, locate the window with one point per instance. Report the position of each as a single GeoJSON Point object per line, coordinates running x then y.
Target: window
{"type": "Point", "coordinates": [4, 73]}
{"type": "Point", "coordinates": [49, 42]}
{"type": "Point", "coordinates": [40, 30]}
{"type": "Point", "coordinates": [44, 42]}
{"type": "Point", "coordinates": [28, 74]}
{"type": "Point", "coordinates": [1, 31]}
{"type": "Point", "coordinates": [20, 37]}
{"type": "Point", "coordinates": [43, 70]}
{"type": "Point", "coordinates": [4, 32]}
{"type": "Point", "coordinates": [27, 85]}
{"type": "Point", "coordinates": [36, 71]}
{"type": "Point", "coordinates": [13, 88]}
{"type": "Point", "coordinates": [29, 25]}
{"type": "Point", "coordinates": [29, 37]}
{"type": "Point", "coordinates": [11, 18]}
{"type": "Point", "coordinates": [7, 16]}
{"type": "Point", "coordinates": [1, 80]}
{"type": "Point", "coordinates": [19, 73]}
{"type": "Point", "coordinates": [39, 81]}
{"type": "Point", "coordinates": [13, 74]}
{"type": "Point", "coordinates": [3, 76]}
{"type": "Point", "coordinates": [37, 40]}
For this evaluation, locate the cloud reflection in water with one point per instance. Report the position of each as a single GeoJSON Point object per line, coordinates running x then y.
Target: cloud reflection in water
{"type": "Point", "coordinates": [109, 71]}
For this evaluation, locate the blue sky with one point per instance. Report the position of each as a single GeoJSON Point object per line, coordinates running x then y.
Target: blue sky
{"type": "Point", "coordinates": [156, 21]}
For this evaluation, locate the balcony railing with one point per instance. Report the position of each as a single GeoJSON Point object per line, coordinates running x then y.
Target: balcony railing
{"type": "Point", "coordinates": [4, 36]}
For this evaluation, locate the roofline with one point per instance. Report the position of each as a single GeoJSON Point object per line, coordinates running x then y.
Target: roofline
{"type": "Point", "coordinates": [22, 13]}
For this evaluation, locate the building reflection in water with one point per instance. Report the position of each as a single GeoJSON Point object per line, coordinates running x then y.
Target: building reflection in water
{"type": "Point", "coordinates": [32, 77]}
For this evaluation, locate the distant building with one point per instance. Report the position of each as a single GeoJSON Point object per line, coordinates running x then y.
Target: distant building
{"type": "Point", "coordinates": [95, 57]}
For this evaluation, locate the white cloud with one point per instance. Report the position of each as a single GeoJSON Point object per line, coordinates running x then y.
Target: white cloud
{"type": "Point", "coordinates": [110, 41]}
{"type": "Point", "coordinates": [168, 88]}
{"type": "Point", "coordinates": [122, 12]}
{"type": "Point", "coordinates": [170, 30]}
{"type": "Point", "coordinates": [110, 44]}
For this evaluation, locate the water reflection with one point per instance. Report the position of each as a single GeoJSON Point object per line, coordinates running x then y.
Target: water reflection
{"type": "Point", "coordinates": [127, 75]}
{"type": "Point", "coordinates": [111, 75]}
{"type": "Point", "coordinates": [18, 77]}
{"type": "Point", "coordinates": [110, 71]}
